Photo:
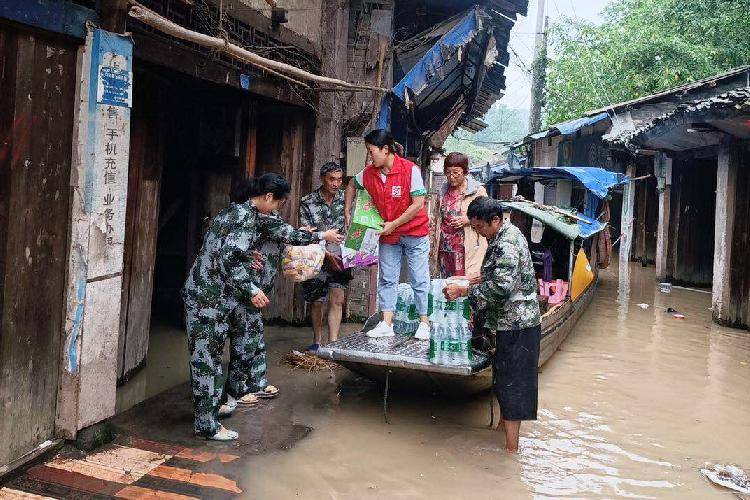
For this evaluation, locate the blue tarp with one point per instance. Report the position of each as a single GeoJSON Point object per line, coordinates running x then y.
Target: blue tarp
{"type": "Point", "coordinates": [418, 78]}
{"type": "Point", "coordinates": [597, 180]}
{"type": "Point", "coordinates": [571, 126]}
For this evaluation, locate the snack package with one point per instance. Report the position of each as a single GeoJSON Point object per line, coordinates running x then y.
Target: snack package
{"type": "Point", "coordinates": [300, 263]}
{"type": "Point", "coordinates": [361, 245]}
{"type": "Point", "coordinates": [450, 333]}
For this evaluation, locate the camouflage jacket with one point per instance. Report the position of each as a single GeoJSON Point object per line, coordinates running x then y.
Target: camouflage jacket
{"type": "Point", "coordinates": [223, 269]}
{"type": "Point", "coordinates": [315, 212]}
{"type": "Point", "coordinates": [507, 296]}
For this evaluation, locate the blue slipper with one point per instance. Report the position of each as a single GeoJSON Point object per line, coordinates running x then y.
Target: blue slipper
{"type": "Point", "coordinates": [313, 347]}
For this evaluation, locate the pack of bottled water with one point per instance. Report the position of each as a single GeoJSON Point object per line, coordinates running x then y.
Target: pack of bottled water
{"type": "Point", "coordinates": [450, 335]}
{"type": "Point", "coordinates": [405, 319]}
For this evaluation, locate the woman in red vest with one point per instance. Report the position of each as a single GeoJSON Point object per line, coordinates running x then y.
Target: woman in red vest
{"type": "Point", "coordinates": [397, 189]}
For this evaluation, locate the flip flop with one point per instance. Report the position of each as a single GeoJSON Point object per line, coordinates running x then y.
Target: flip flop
{"type": "Point", "coordinates": [268, 392]}
{"type": "Point", "coordinates": [248, 399]}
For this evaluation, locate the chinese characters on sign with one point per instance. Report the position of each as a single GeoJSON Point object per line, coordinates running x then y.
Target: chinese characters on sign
{"type": "Point", "coordinates": [111, 90]}
{"type": "Point", "coordinates": [112, 166]}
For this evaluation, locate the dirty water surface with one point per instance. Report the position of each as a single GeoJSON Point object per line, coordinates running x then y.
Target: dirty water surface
{"type": "Point", "coordinates": [634, 403]}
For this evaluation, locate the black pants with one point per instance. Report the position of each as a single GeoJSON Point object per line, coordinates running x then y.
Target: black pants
{"type": "Point", "coordinates": [516, 375]}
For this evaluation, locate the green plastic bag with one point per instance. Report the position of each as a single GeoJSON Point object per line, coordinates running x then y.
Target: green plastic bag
{"type": "Point", "coordinates": [363, 238]}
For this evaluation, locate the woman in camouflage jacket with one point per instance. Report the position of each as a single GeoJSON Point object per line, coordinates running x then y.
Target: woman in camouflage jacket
{"type": "Point", "coordinates": [224, 293]}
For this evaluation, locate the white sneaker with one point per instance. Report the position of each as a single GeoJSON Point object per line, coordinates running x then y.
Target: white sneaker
{"type": "Point", "coordinates": [423, 331]}
{"type": "Point", "coordinates": [223, 434]}
{"type": "Point", "coordinates": [382, 329]}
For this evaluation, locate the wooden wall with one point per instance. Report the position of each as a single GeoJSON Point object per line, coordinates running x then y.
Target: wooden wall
{"type": "Point", "coordinates": [141, 224]}
{"type": "Point", "coordinates": [646, 215]}
{"type": "Point", "coordinates": [692, 215]}
{"type": "Point", "coordinates": [739, 272]}
{"type": "Point", "coordinates": [37, 85]}
{"type": "Point", "coordinates": [285, 147]}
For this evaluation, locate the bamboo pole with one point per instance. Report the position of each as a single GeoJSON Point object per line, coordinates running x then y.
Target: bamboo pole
{"type": "Point", "coordinates": [287, 71]}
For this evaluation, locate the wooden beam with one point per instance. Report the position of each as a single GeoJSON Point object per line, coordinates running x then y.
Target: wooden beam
{"type": "Point", "coordinates": [628, 202]}
{"type": "Point", "coordinates": [159, 51]}
{"type": "Point", "coordinates": [726, 185]}
{"type": "Point", "coordinates": [663, 172]}
{"type": "Point", "coordinates": [160, 23]}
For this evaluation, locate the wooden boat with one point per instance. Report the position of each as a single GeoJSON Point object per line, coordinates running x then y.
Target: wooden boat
{"type": "Point", "coordinates": [403, 362]}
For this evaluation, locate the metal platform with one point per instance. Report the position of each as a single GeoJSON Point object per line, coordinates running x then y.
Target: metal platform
{"type": "Point", "coordinates": [400, 351]}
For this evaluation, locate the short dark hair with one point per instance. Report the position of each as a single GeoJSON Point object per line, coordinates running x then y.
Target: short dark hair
{"type": "Point", "coordinates": [272, 183]}
{"type": "Point", "coordinates": [484, 208]}
{"type": "Point", "coordinates": [381, 138]}
{"type": "Point", "coordinates": [329, 167]}
{"type": "Point", "coordinates": [456, 159]}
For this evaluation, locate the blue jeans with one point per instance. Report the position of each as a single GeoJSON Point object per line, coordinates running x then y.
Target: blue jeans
{"type": "Point", "coordinates": [417, 253]}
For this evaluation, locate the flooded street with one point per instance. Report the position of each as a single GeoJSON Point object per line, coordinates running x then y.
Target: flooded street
{"type": "Point", "coordinates": [633, 404]}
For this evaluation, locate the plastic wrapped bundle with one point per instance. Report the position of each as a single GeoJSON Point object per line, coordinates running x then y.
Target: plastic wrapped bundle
{"type": "Point", "coordinates": [300, 263]}
{"type": "Point", "coordinates": [406, 319]}
{"type": "Point", "coordinates": [450, 334]}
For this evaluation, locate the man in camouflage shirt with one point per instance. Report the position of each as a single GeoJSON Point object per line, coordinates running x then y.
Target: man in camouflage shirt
{"type": "Point", "coordinates": [219, 293]}
{"type": "Point", "coordinates": [505, 298]}
{"type": "Point", "coordinates": [323, 209]}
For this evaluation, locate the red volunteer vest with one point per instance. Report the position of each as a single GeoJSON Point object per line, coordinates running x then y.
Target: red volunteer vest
{"type": "Point", "coordinates": [394, 197]}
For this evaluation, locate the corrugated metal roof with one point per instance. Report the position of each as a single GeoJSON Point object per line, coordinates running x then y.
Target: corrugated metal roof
{"type": "Point", "coordinates": [737, 99]}
{"type": "Point", "coordinates": [569, 127]}
{"type": "Point", "coordinates": [674, 90]}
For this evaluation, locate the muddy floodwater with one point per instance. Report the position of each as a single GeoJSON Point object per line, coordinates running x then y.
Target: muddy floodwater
{"type": "Point", "coordinates": [633, 404]}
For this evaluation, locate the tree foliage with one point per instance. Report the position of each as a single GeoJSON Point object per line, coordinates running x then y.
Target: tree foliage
{"type": "Point", "coordinates": [505, 125]}
{"type": "Point", "coordinates": [642, 47]}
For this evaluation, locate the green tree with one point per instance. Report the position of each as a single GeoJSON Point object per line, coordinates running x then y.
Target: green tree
{"type": "Point", "coordinates": [642, 47]}
{"type": "Point", "coordinates": [504, 125]}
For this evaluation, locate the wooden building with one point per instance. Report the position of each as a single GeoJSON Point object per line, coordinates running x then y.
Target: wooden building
{"type": "Point", "coordinates": [703, 171]}
{"type": "Point", "coordinates": [667, 217]}
{"type": "Point", "coordinates": [592, 140]}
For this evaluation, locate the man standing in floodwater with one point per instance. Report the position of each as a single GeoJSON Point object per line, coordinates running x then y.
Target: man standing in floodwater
{"type": "Point", "coordinates": [505, 296]}
{"type": "Point", "coordinates": [321, 210]}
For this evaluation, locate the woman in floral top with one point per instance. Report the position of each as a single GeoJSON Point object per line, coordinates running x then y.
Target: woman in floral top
{"type": "Point", "coordinates": [461, 249]}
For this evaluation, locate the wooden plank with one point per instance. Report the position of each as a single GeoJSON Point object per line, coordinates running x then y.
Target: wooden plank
{"type": "Point", "coordinates": [146, 164]}
{"type": "Point", "coordinates": [739, 269]}
{"type": "Point", "coordinates": [36, 204]}
{"type": "Point", "coordinates": [191, 62]}
{"type": "Point", "coordinates": [7, 118]}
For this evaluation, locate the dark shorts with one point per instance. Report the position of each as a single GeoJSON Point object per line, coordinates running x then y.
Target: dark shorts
{"type": "Point", "coordinates": [516, 374]}
{"type": "Point", "coordinates": [316, 289]}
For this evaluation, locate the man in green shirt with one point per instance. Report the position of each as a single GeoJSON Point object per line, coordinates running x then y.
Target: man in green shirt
{"type": "Point", "coordinates": [505, 297]}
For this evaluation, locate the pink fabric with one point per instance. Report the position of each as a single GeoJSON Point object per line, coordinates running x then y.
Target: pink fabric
{"type": "Point", "coordinates": [452, 256]}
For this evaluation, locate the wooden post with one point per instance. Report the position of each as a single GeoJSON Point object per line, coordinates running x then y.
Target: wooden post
{"type": "Point", "coordinates": [663, 172]}
{"type": "Point", "coordinates": [628, 202]}
{"type": "Point", "coordinates": [99, 181]}
{"type": "Point", "coordinates": [726, 184]}
{"type": "Point", "coordinates": [328, 126]}
{"type": "Point", "coordinates": [113, 15]}
{"type": "Point", "coordinates": [639, 222]}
